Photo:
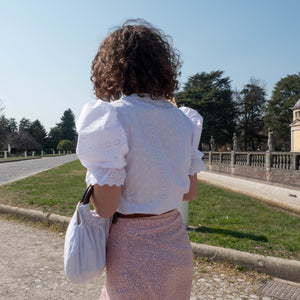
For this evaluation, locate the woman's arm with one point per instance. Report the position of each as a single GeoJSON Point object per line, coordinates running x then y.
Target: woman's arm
{"type": "Point", "coordinates": [106, 199]}
{"type": "Point", "coordinates": [191, 195]}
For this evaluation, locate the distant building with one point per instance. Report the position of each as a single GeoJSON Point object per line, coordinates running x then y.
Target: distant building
{"type": "Point", "coordinates": [295, 128]}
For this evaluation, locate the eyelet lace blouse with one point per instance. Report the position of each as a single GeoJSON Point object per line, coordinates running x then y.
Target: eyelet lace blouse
{"type": "Point", "coordinates": [147, 146]}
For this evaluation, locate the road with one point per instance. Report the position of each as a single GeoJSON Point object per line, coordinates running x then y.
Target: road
{"type": "Point", "coordinates": [11, 171]}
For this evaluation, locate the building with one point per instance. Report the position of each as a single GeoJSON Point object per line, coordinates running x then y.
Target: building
{"type": "Point", "coordinates": [295, 128]}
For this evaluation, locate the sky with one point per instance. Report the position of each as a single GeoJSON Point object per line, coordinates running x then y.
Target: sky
{"type": "Point", "coordinates": [47, 47]}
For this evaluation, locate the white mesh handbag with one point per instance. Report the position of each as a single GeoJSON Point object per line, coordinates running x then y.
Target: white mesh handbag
{"type": "Point", "coordinates": [85, 242]}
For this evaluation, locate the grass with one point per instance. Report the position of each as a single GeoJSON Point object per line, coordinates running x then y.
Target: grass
{"type": "Point", "coordinates": [219, 218]}
{"type": "Point", "coordinates": [13, 158]}
{"type": "Point", "coordinates": [223, 218]}
{"type": "Point", "coordinates": [55, 191]}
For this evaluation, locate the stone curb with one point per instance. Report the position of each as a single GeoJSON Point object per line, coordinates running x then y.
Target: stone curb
{"type": "Point", "coordinates": [35, 215]}
{"type": "Point", "coordinates": [15, 160]}
{"type": "Point", "coordinates": [278, 267]}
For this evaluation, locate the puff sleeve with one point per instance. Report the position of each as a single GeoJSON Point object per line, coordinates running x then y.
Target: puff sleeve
{"type": "Point", "coordinates": [196, 120]}
{"type": "Point", "coordinates": [102, 144]}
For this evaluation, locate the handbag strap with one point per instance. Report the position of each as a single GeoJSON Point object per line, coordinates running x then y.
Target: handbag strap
{"type": "Point", "coordinates": [87, 194]}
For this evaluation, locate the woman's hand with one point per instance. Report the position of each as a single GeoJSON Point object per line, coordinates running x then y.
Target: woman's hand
{"type": "Point", "coordinates": [191, 195]}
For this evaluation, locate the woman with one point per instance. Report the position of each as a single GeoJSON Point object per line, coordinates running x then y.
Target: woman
{"type": "Point", "coordinates": [142, 158]}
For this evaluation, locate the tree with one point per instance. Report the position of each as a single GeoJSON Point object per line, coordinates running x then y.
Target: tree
{"type": "Point", "coordinates": [11, 126]}
{"type": "Point", "coordinates": [23, 141]}
{"type": "Point", "coordinates": [65, 145]}
{"type": "Point", "coordinates": [279, 110]}
{"type": "Point", "coordinates": [11, 131]}
{"type": "Point", "coordinates": [3, 125]}
{"type": "Point", "coordinates": [1, 108]}
{"type": "Point", "coordinates": [67, 126]}
{"type": "Point", "coordinates": [24, 125]}
{"type": "Point", "coordinates": [54, 137]}
{"type": "Point", "coordinates": [3, 132]}
{"type": "Point", "coordinates": [38, 132]}
{"type": "Point", "coordinates": [250, 102]}
{"type": "Point", "coordinates": [211, 95]}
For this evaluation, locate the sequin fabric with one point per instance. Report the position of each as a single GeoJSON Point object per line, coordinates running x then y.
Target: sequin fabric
{"type": "Point", "coordinates": [149, 258]}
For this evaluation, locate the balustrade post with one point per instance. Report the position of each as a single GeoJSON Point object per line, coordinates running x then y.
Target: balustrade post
{"type": "Point", "coordinates": [5, 154]}
{"type": "Point", "coordinates": [248, 159]}
{"type": "Point", "coordinates": [209, 158]}
{"type": "Point", "coordinates": [294, 162]}
{"type": "Point", "coordinates": [268, 161]}
{"type": "Point", "coordinates": [233, 159]}
{"type": "Point", "coordinates": [25, 154]}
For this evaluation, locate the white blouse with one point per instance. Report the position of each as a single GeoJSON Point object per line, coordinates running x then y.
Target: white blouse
{"type": "Point", "coordinates": [147, 146]}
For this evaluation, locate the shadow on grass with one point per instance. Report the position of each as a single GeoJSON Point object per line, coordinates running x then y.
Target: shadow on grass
{"type": "Point", "coordinates": [236, 234]}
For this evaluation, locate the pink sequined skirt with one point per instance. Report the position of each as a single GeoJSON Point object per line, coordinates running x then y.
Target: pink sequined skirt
{"type": "Point", "coordinates": [149, 258]}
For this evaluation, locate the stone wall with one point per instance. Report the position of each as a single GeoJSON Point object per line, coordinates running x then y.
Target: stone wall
{"type": "Point", "coordinates": [276, 167]}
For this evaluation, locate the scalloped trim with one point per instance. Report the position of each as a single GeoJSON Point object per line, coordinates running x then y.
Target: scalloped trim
{"type": "Point", "coordinates": [197, 166]}
{"type": "Point", "coordinates": [102, 176]}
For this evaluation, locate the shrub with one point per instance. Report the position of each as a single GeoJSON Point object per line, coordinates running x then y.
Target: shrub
{"type": "Point", "coordinates": [65, 145]}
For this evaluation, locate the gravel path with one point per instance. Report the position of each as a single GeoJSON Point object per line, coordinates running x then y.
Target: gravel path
{"type": "Point", "coordinates": [11, 171]}
{"type": "Point", "coordinates": [31, 267]}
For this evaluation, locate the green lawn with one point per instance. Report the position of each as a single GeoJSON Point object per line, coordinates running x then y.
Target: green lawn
{"type": "Point", "coordinates": [227, 219]}
{"type": "Point", "coordinates": [220, 218]}
{"type": "Point", "coordinates": [56, 191]}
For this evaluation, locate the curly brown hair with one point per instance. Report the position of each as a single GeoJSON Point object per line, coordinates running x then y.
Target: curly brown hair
{"type": "Point", "coordinates": [136, 58]}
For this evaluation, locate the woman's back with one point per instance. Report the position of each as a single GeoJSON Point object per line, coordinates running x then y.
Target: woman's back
{"type": "Point", "coordinates": [159, 139]}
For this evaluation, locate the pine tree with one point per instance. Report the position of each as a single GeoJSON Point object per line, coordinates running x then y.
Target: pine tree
{"type": "Point", "coordinates": [67, 126]}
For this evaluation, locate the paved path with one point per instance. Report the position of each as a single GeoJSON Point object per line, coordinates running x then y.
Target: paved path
{"type": "Point", "coordinates": [11, 171]}
{"type": "Point", "coordinates": [31, 267]}
{"type": "Point", "coordinates": [285, 197]}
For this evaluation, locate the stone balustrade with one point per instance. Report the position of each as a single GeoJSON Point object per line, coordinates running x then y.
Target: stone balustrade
{"type": "Point", "coordinates": [281, 167]}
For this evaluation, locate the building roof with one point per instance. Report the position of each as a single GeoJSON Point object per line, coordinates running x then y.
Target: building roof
{"type": "Point", "coordinates": [297, 105]}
